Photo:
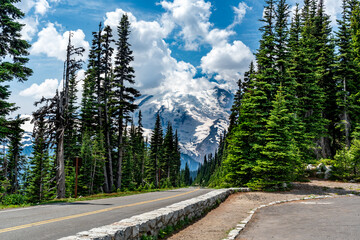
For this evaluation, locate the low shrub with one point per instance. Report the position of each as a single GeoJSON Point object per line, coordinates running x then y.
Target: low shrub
{"type": "Point", "coordinates": [14, 199]}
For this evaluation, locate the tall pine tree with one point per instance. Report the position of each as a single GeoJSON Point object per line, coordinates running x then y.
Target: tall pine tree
{"type": "Point", "coordinates": [124, 94]}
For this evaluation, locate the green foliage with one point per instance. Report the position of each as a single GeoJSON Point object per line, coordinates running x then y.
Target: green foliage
{"type": "Point", "coordinates": [14, 199]}
{"type": "Point", "coordinates": [279, 157]}
{"type": "Point", "coordinates": [40, 174]}
{"type": "Point", "coordinates": [156, 154]}
{"type": "Point", "coordinates": [273, 137]}
{"type": "Point", "coordinates": [13, 52]}
{"type": "Point", "coordinates": [347, 162]}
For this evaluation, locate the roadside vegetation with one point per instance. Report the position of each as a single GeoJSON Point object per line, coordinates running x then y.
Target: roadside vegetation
{"type": "Point", "coordinates": [100, 139]}
{"type": "Point", "coordinates": [298, 105]}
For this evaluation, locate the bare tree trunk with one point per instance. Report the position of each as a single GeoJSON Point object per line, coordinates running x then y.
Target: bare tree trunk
{"type": "Point", "coordinates": [60, 173]}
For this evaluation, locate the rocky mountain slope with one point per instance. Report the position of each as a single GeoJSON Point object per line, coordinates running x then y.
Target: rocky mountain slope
{"type": "Point", "coordinates": [200, 119]}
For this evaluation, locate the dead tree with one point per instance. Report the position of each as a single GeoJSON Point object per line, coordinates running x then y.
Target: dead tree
{"type": "Point", "coordinates": [55, 112]}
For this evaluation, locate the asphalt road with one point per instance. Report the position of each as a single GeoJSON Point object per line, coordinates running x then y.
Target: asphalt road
{"type": "Point", "coordinates": [60, 220]}
{"type": "Point", "coordinates": [325, 219]}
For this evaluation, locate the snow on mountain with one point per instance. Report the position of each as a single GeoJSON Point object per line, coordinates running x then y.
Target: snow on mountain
{"type": "Point", "coordinates": [27, 142]}
{"type": "Point", "coordinates": [200, 118]}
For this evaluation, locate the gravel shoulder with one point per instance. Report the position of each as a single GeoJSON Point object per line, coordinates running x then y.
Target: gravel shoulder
{"type": "Point", "coordinates": [217, 223]}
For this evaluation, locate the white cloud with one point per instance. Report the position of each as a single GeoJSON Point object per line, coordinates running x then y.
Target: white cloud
{"type": "Point", "coordinates": [240, 12]}
{"type": "Point", "coordinates": [53, 44]}
{"type": "Point", "coordinates": [334, 9]}
{"type": "Point", "coordinates": [45, 89]}
{"type": "Point", "coordinates": [48, 88]}
{"type": "Point", "coordinates": [227, 61]}
{"type": "Point", "coordinates": [25, 5]}
{"type": "Point", "coordinates": [156, 70]}
{"type": "Point", "coordinates": [193, 18]}
{"type": "Point", "coordinates": [41, 7]}
{"type": "Point", "coordinates": [30, 28]}
{"type": "Point", "coordinates": [27, 126]}
{"type": "Point", "coordinates": [154, 66]}
{"type": "Point", "coordinates": [34, 10]}
{"type": "Point", "coordinates": [218, 37]}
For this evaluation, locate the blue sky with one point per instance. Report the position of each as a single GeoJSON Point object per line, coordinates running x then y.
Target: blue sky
{"type": "Point", "coordinates": [179, 45]}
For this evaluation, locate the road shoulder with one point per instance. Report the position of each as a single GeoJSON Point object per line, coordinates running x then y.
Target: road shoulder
{"type": "Point", "coordinates": [219, 222]}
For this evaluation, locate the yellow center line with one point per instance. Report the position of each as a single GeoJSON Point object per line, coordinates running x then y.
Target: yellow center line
{"type": "Point", "coordinates": [89, 213]}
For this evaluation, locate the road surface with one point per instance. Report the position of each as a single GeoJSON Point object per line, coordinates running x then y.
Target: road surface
{"type": "Point", "coordinates": [325, 219]}
{"type": "Point", "coordinates": [60, 220]}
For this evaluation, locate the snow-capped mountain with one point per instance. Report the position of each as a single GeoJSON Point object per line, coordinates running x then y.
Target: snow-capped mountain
{"type": "Point", "coordinates": [200, 119]}
{"type": "Point", "coordinates": [27, 142]}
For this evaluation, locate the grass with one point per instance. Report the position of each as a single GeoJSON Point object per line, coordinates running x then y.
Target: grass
{"type": "Point", "coordinates": [85, 198]}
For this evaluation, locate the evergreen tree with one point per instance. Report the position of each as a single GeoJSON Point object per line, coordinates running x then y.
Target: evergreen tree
{"type": "Point", "coordinates": [279, 152]}
{"type": "Point", "coordinates": [156, 153]}
{"type": "Point", "coordinates": [187, 177]}
{"type": "Point", "coordinates": [141, 150]}
{"type": "Point", "coordinates": [15, 157]}
{"type": "Point", "coordinates": [71, 134]}
{"type": "Point", "coordinates": [176, 161]}
{"type": "Point", "coordinates": [309, 94]}
{"type": "Point", "coordinates": [355, 26]}
{"type": "Point", "coordinates": [13, 52]}
{"type": "Point", "coordinates": [325, 48]}
{"type": "Point", "coordinates": [346, 73]}
{"type": "Point", "coordinates": [168, 153]}
{"type": "Point", "coordinates": [40, 164]}
{"type": "Point", "coordinates": [107, 52]}
{"type": "Point", "coordinates": [128, 164]}
{"type": "Point", "coordinates": [124, 95]}
{"type": "Point", "coordinates": [244, 141]}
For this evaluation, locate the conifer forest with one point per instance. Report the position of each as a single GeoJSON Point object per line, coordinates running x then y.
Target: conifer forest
{"type": "Point", "coordinates": [298, 104]}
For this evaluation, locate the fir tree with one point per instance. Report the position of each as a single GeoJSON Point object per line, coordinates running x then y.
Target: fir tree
{"type": "Point", "coordinates": [176, 161]}
{"type": "Point", "coordinates": [156, 153]}
{"type": "Point", "coordinates": [279, 153]}
{"type": "Point", "coordinates": [107, 52]}
{"type": "Point", "coordinates": [15, 157]}
{"type": "Point", "coordinates": [187, 177]}
{"type": "Point", "coordinates": [346, 70]}
{"type": "Point", "coordinates": [124, 95]}
{"type": "Point", "coordinates": [355, 26]}
{"type": "Point", "coordinates": [13, 52]}
{"type": "Point", "coordinates": [168, 152]}
{"type": "Point", "coordinates": [266, 54]}
{"type": "Point", "coordinates": [40, 164]}
{"type": "Point", "coordinates": [244, 141]}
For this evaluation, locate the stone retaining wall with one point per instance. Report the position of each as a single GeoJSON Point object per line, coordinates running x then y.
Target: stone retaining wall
{"type": "Point", "coordinates": [151, 223]}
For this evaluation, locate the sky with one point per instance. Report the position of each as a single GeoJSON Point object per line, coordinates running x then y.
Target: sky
{"type": "Point", "coordinates": [178, 45]}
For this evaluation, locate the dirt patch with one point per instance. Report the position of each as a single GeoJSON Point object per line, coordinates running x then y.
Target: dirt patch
{"type": "Point", "coordinates": [217, 223]}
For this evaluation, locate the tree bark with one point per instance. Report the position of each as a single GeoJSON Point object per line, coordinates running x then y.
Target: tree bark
{"type": "Point", "coordinates": [120, 153]}
{"type": "Point", "coordinates": [60, 173]}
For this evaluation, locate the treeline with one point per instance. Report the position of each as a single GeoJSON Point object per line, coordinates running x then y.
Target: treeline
{"type": "Point", "coordinates": [298, 103]}
{"type": "Point", "coordinates": [112, 151]}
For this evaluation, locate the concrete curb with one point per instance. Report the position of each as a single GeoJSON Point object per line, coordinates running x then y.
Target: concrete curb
{"type": "Point", "coordinates": [151, 223]}
{"type": "Point", "coordinates": [239, 227]}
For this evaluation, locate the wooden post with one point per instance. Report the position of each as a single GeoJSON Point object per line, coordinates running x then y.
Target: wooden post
{"type": "Point", "coordinates": [76, 175]}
